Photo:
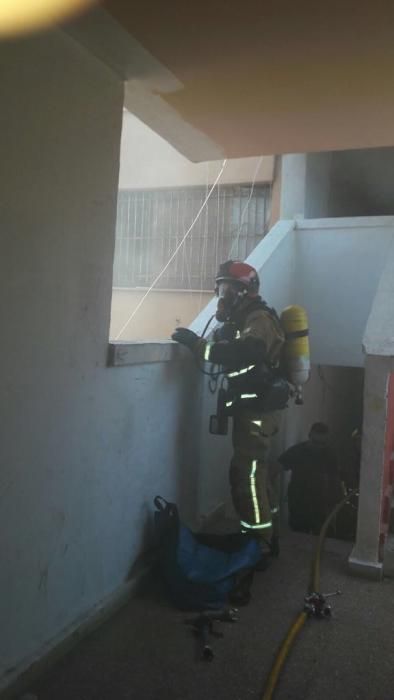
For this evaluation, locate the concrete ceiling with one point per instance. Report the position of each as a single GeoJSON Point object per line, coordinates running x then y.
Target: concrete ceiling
{"type": "Point", "coordinates": [262, 76]}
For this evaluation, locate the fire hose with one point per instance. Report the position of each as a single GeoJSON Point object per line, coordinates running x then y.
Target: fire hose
{"type": "Point", "coordinates": [315, 604]}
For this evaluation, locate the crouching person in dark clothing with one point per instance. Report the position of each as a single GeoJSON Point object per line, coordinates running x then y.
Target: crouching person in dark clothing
{"type": "Point", "coordinates": [315, 485]}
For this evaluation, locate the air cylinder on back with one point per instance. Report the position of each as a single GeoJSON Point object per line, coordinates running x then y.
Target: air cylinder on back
{"type": "Point", "coordinates": [296, 357]}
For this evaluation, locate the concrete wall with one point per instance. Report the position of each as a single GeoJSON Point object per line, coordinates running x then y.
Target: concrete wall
{"type": "Point", "coordinates": [338, 270]}
{"type": "Point", "coordinates": [148, 161]}
{"type": "Point", "coordinates": [84, 448]}
{"type": "Point", "coordinates": [159, 314]}
{"type": "Point", "coordinates": [379, 333]}
{"type": "Point", "coordinates": [365, 555]}
{"type": "Point", "coordinates": [379, 346]}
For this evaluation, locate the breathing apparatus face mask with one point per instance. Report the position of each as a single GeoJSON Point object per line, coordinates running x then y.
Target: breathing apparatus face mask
{"type": "Point", "coordinates": [228, 297]}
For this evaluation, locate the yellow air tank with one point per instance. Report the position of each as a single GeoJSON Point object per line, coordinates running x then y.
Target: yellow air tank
{"type": "Point", "coordinates": [296, 358]}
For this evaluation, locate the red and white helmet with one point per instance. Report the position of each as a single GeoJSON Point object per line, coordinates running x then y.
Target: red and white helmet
{"type": "Point", "coordinates": [241, 274]}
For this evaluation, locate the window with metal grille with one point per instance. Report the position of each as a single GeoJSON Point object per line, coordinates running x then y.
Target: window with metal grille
{"type": "Point", "coordinates": [151, 224]}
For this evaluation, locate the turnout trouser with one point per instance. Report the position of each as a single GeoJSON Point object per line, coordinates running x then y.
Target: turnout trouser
{"type": "Point", "coordinates": [251, 487]}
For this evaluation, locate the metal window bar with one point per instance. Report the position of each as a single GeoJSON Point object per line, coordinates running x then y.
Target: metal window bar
{"type": "Point", "coordinates": [151, 223]}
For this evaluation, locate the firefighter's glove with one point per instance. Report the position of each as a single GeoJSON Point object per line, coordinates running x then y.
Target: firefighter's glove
{"type": "Point", "coordinates": [186, 337]}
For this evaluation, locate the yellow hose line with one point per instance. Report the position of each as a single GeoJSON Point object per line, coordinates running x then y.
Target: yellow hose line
{"type": "Point", "coordinates": [314, 587]}
{"type": "Point", "coordinates": [283, 654]}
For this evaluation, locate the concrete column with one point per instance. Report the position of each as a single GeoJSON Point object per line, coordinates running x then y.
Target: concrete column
{"type": "Point", "coordinates": [364, 559]}
{"type": "Point", "coordinates": [305, 185]}
{"type": "Point", "coordinates": [293, 186]}
{"type": "Point", "coordinates": [317, 188]}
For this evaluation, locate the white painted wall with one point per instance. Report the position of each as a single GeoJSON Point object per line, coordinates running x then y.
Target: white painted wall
{"type": "Point", "coordinates": [365, 555]}
{"type": "Point", "coordinates": [148, 161]}
{"type": "Point", "coordinates": [379, 348]}
{"type": "Point", "coordinates": [160, 313]}
{"type": "Point", "coordinates": [339, 265]}
{"type": "Point", "coordinates": [379, 333]}
{"type": "Point", "coordinates": [84, 448]}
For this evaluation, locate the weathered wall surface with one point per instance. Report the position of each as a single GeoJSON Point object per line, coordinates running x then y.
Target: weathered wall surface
{"type": "Point", "coordinates": [158, 315]}
{"type": "Point", "coordinates": [84, 448]}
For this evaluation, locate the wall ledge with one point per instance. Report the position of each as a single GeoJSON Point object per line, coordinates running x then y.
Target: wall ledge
{"type": "Point", "coordinates": [124, 354]}
{"type": "Point", "coordinates": [345, 222]}
{"type": "Point", "coordinates": [378, 347]}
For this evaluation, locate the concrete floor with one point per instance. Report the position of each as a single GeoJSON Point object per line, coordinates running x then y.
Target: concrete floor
{"type": "Point", "coordinates": [147, 653]}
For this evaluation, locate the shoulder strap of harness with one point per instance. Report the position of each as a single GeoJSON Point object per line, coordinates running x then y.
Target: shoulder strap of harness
{"type": "Point", "coordinates": [257, 304]}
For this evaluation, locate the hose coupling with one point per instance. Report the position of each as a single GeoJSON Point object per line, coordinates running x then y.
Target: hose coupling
{"type": "Point", "coordinates": [315, 604]}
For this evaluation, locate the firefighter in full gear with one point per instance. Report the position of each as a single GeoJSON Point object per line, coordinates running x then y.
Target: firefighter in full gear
{"type": "Point", "coordinates": [247, 346]}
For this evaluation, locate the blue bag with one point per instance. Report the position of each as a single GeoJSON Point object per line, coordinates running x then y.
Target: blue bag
{"type": "Point", "coordinates": [203, 572]}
